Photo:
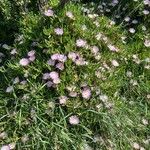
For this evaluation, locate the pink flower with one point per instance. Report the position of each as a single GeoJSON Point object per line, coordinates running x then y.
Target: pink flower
{"type": "Point", "coordinates": [5, 147]}
{"type": "Point", "coordinates": [147, 2]}
{"type": "Point", "coordinates": [77, 59]}
{"type": "Point", "coordinates": [49, 84]}
{"type": "Point", "coordinates": [145, 12]}
{"type": "Point", "coordinates": [60, 66]}
{"type": "Point", "coordinates": [54, 56]}
{"type": "Point", "coordinates": [59, 31]}
{"type": "Point", "coordinates": [24, 62]}
{"type": "Point", "coordinates": [94, 50]}
{"type": "Point", "coordinates": [72, 56]}
{"type": "Point", "coordinates": [46, 76]}
{"type": "Point", "coordinates": [81, 43]}
{"type": "Point", "coordinates": [54, 75]}
{"type": "Point", "coordinates": [62, 58]}
{"type": "Point", "coordinates": [51, 62]}
{"type": "Point", "coordinates": [32, 58]}
{"type": "Point", "coordinates": [49, 13]}
{"type": "Point", "coordinates": [63, 100]}
{"type": "Point", "coordinates": [59, 57]}
{"type": "Point", "coordinates": [74, 120]}
{"type": "Point", "coordinates": [31, 53]}
{"type": "Point", "coordinates": [86, 93]}
{"type": "Point", "coordinates": [56, 81]}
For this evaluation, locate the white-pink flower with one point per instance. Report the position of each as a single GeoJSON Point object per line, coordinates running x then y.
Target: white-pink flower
{"type": "Point", "coordinates": [136, 146]}
{"type": "Point", "coordinates": [16, 80]}
{"type": "Point", "coordinates": [54, 75]}
{"type": "Point", "coordinates": [127, 19]}
{"type": "Point", "coordinates": [5, 147]}
{"type": "Point", "coordinates": [86, 93]}
{"type": "Point", "coordinates": [94, 50]}
{"type": "Point", "coordinates": [115, 63]}
{"type": "Point", "coordinates": [72, 56]}
{"type": "Point", "coordinates": [13, 52]}
{"type": "Point", "coordinates": [73, 94]}
{"type": "Point", "coordinates": [54, 56]}
{"type": "Point", "coordinates": [112, 48]}
{"type": "Point", "coordinates": [63, 100]}
{"type": "Point", "coordinates": [80, 62]}
{"type": "Point", "coordinates": [3, 135]}
{"type": "Point", "coordinates": [49, 84]}
{"type": "Point", "coordinates": [24, 62]}
{"type": "Point", "coordinates": [31, 58]}
{"type": "Point", "coordinates": [77, 59]}
{"type": "Point", "coordinates": [74, 120]}
{"type": "Point", "coordinates": [46, 76]}
{"type": "Point", "coordinates": [69, 14]}
{"type": "Point", "coordinates": [56, 81]}
{"type": "Point", "coordinates": [147, 43]}
{"type": "Point", "coordinates": [81, 43]}
{"type": "Point", "coordinates": [31, 53]}
{"type": "Point", "coordinates": [147, 2]}
{"type": "Point", "coordinates": [9, 89]}
{"type": "Point", "coordinates": [49, 13]}
{"type": "Point", "coordinates": [59, 31]}
{"type": "Point", "coordinates": [145, 12]}
{"type": "Point", "coordinates": [59, 57]}
{"type": "Point", "coordinates": [60, 66]}
{"type": "Point", "coordinates": [51, 62]}
{"type": "Point", "coordinates": [132, 30]}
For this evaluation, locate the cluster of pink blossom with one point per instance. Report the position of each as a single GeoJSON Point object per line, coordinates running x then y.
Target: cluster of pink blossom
{"type": "Point", "coordinates": [86, 94]}
{"type": "Point", "coordinates": [29, 59]}
{"type": "Point", "coordinates": [63, 100]}
{"type": "Point", "coordinates": [52, 78]}
{"type": "Point", "coordinates": [77, 59]}
{"type": "Point", "coordinates": [59, 57]}
{"type": "Point", "coordinates": [57, 60]}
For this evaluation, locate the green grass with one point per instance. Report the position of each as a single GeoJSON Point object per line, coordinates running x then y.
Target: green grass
{"type": "Point", "coordinates": [43, 119]}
